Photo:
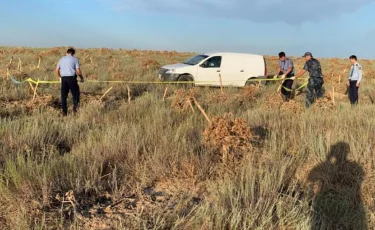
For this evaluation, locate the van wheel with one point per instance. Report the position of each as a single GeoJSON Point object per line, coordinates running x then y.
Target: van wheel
{"type": "Point", "coordinates": [253, 82]}
{"type": "Point", "coordinates": [186, 78]}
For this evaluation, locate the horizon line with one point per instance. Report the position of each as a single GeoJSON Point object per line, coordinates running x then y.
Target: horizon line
{"type": "Point", "coordinates": [155, 50]}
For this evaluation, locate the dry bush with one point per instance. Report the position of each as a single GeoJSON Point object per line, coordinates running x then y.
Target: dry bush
{"type": "Point", "coordinates": [292, 106]}
{"type": "Point", "coordinates": [341, 88]}
{"type": "Point", "coordinates": [183, 100]}
{"type": "Point", "coordinates": [135, 53]}
{"type": "Point", "coordinates": [20, 76]}
{"type": "Point", "coordinates": [273, 101]}
{"type": "Point", "coordinates": [43, 101]}
{"type": "Point", "coordinates": [30, 106]}
{"type": "Point", "coordinates": [20, 50]}
{"type": "Point", "coordinates": [106, 51]}
{"type": "Point", "coordinates": [369, 74]}
{"type": "Point", "coordinates": [324, 104]}
{"type": "Point", "coordinates": [214, 97]}
{"type": "Point", "coordinates": [91, 76]}
{"type": "Point", "coordinates": [51, 52]}
{"type": "Point", "coordinates": [247, 94]}
{"type": "Point", "coordinates": [227, 136]}
{"type": "Point", "coordinates": [118, 76]}
{"type": "Point", "coordinates": [150, 64]}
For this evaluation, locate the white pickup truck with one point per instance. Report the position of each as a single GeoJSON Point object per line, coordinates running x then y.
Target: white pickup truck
{"type": "Point", "coordinates": [235, 69]}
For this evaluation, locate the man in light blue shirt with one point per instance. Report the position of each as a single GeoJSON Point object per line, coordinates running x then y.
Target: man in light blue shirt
{"type": "Point", "coordinates": [286, 70]}
{"type": "Point", "coordinates": [354, 81]}
{"type": "Point", "coordinates": [67, 70]}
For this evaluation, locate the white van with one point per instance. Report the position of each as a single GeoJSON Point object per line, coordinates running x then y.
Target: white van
{"type": "Point", "coordinates": [204, 69]}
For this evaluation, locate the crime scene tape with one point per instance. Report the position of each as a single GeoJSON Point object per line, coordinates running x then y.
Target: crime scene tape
{"type": "Point", "coordinates": [299, 88]}
{"type": "Point", "coordinates": [37, 82]}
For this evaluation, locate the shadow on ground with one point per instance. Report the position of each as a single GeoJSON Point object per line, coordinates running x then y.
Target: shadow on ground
{"type": "Point", "coordinates": [337, 182]}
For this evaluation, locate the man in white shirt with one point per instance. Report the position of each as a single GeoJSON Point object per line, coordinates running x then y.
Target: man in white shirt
{"type": "Point", "coordinates": [354, 81]}
{"type": "Point", "coordinates": [67, 70]}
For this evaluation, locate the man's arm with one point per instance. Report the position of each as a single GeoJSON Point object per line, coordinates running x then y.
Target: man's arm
{"type": "Point", "coordinates": [57, 71]}
{"type": "Point", "coordinates": [289, 70]}
{"type": "Point", "coordinates": [360, 74]}
{"type": "Point", "coordinates": [301, 73]}
{"type": "Point", "coordinates": [351, 69]}
{"type": "Point", "coordinates": [278, 71]}
{"type": "Point", "coordinates": [79, 73]}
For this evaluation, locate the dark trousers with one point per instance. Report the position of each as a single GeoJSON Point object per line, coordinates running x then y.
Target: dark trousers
{"type": "Point", "coordinates": [286, 89]}
{"type": "Point", "coordinates": [314, 90]}
{"type": "Point", "coordinates": [69, 84]}
{"type": "Point", "coordinates": [353, 92]}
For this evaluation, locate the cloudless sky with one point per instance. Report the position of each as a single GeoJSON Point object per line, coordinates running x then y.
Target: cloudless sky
{"type": "Point", "coordinates": [327, 28]}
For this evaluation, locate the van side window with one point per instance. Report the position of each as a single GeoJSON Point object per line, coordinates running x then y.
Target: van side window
{"type": "Point", "coordinates": [214, 62]}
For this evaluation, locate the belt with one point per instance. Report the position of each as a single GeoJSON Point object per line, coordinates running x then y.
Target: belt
{"type": "Point", "coordinates": [290, 75]}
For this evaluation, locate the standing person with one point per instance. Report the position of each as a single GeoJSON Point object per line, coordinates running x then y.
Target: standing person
{"type": "Point", "coordinates": [354, 81]}
{"type": "Point", "coordinates": [286, 69]}
{"type": "Point", "coordinates": [67, 70]}
{"type": "Point", "coordinates": [315, 85]}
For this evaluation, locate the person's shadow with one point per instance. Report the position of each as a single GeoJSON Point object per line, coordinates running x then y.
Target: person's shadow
{"type": "Point", "coordinates": [337, 202]}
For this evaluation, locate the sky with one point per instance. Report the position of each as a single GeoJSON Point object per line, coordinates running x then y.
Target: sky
{"type": "Point", "coordinates": [327, 28]}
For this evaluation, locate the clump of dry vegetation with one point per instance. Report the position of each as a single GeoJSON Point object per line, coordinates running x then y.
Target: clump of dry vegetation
{"type": "Point", "coordinates": [292, 106]}
{"type": "Point", "coordinates": [325, 104]}
{"type": "Point", "coordinates": [247, 94]}
{"type": "Point", "coordinates": [273, 101]}
{"type": "Point", "coordinates": [229, 137]}
{"type": "Point", "coordinates": [215, 97]}
{"type": "Point", "coordinates": [150, 64]}
{"type": "Point", "coordinates": [183, 100]}
{"type": "Point", "coordinates": [144, 157]}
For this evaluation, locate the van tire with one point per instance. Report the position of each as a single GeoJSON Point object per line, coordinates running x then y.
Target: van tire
{"type": "Point", "coordinates": [186, 77]}
{"type": "Point", "coordinates": [252, 83]}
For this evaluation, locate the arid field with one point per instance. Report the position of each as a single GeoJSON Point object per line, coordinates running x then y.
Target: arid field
{"type": "Point", "coordinates": [156, 156]}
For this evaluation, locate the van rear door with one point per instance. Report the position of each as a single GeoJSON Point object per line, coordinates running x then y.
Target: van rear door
{"type": "Point", "coordinates": [254, 66]}
{"type": "Point", "coordinates": [232, 71]}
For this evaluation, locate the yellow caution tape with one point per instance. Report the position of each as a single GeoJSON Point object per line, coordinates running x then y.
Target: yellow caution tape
{"type": "Point", "coordinates": [299, 88]}
{"type": "Point", "coordinates": [30, 80]}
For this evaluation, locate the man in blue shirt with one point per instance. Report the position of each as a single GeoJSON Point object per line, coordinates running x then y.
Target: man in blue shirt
{"type": "Point", "coordinates": [286, 70]}
{"type": "Point", "coordinates": [67, 70]}
{"type": "Point", "coordinates": [354, 81]}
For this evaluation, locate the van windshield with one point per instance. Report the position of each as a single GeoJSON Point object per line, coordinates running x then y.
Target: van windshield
{"type": "Point", "coordinates": [195, 60]}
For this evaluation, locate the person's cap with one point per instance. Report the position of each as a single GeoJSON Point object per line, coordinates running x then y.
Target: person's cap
{"type": "Point", "coordinates": [307, 54]}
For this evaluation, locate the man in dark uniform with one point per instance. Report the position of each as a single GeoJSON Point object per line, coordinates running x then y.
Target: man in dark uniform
{"type": "Point", "coordinates": [315, 85]}
{"type": "Point", "coordinates": [286, 70]}
{"type": "Point", "coordinates": [67, 70]}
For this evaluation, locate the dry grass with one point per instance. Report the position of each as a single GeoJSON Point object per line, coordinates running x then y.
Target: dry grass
{"type": "Point", "coordinates": [142, 157]}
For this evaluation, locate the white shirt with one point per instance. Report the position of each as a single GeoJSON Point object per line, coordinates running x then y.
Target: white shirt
{"type": "Point", "coordinates": [68, 66]}
{"type": "Point", "coordinates": [355, 73]}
